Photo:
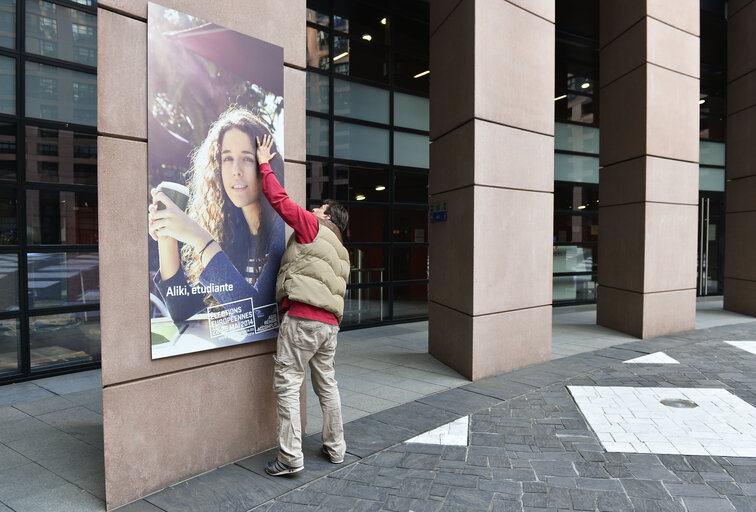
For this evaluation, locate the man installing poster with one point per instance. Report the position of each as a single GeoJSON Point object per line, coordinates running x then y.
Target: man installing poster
{"type": "Point", "coordinates": [311, 285]}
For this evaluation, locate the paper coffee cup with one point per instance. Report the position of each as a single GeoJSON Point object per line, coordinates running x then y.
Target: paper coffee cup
{"type": "Point", "coordinates": [177, 193]}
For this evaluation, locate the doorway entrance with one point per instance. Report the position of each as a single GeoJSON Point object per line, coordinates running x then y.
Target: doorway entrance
{"type": "Point", "coordinates": [711, 216]}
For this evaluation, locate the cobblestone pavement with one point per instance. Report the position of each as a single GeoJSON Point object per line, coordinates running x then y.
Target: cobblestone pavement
{"type": "Point", "coordinates": [531, 449]}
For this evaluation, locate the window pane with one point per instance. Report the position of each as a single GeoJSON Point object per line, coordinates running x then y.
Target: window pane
{"type": "Point", "coordinates": [7, 85]}
{"type": "Point", "coordinates": [60, 217]}
{"type": "Point", "coordinates": [317, 136]}
{"type": "Point", "coordinates": [65, 338]}
{"type": "Point", "coordinates": [365, 305]}
{"type": "Point", "coordinates": [367, 224]}
{"type": "Point", "coordinates": [7, 151]}
{"type": "Point", "coordinates": [411, 111]}
{"type": "Point", "coordinates": [711, 178]}
{"type": "Point", "coordinates": [60, 156]}
{"type": "Point", "coordinates": [62, 33]}
{"type": "Point", "coordinates": [356, 142]}
{"type": "Point", "coordinates": [410, 225]}
{"type": "Point", "coordinates": [572, 258]}
{"type": "Point", "coordinates": [576, 168]}
{"type": "Point", "coordinates": [8, 23]}
{"type": "Point", "coordinates": [368, 265]}
{"type": "Point", "coordinates": [360, 101]}
{"type": "Point", "coordinates": [317, 12]}
{"type": "Point", "coordinates": [360, 183]}
{"type": "Point", "coordinates": [576, 228]}
{"type": "Point", "coordinates": [573, 288]}
{"type": "Point", "coordinates": [63, 279]}
{"type": "Point", "coordinates": [410, 301]}
{"type": "Point", "coordinates": [318, 182]}
{"type": "Point", "coordinates": [8, 216]}
{"type": "Point", "coordinates": [317, 48]}
{"type": "Point", "coordinates": [410, 262]}
{"type": "Point", "coordinates": [360, 59]}
{"type": "Point", "coordinates": [317, 92]}
{"type": "Point", "coordinates": [411, 188]}
{"type": "Point", "coordinates": [574, 137]}
{"type": "Point", "coordinates": [712, 153]}
{"type": "Point", "coordinates": [411, 150]}
{"type": "Point", "coordinates": [8, 283]}
{"type": "Point", "coordinates": [9, 330]}
{"type": "Point", "coordinates": [360, 19]}
{"type": "Point", "coordinates": [408, 73]}
{"type": "Point", "coordinates": [60, 94]}
{"type": "Point", "coordinates": [576, 107]}
{"type": "Point", "coordinates": [568, 196]}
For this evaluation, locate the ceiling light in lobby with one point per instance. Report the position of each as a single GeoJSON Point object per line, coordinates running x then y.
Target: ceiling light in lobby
{"type": "Point", "coordinates": [701, 101]}
{"type": "Point", "coordinates": [383, 21]}
{"type": "Point", "coordinates": [585, 85]}
{"type": "Point", "coordinates": [340, 56]}
{"type": "Point", "coordinates": [560, 97]}
{"type": "Point", "coordinates": [367, 37]}
{"type": "Point", "coordinates": [422, 74]}
{"type": "Point", "coordinates": [359, 197]}
{"type": "Point", "coordinates": [379, 188]}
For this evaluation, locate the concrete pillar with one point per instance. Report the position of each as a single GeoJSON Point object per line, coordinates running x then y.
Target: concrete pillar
{"type": "Point", "coordinates": [648, 186]}
{"type": "Point", "coordinates": [740, 237]}
{"type": "Point", "coordinates": [492, 163]}
{"type": "Point", "coordinates": [170, 419]}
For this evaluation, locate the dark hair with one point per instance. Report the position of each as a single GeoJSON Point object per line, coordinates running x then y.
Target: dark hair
{"type": "Point", "coordinates": [339, 214]}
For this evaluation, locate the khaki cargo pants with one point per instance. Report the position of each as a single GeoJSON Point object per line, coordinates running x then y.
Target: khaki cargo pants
{"type": "Point", "coordinates": [302, 341]}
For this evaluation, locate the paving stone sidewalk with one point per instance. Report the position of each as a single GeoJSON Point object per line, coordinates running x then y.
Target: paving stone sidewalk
{"type": "Point", "coordinates": [529, 447]}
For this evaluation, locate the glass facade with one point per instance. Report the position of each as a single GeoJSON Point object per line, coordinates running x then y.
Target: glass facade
{"type": "Point", "coordinates": [367, 146]}
{"type": "Point", "coordinates": [49, 270]}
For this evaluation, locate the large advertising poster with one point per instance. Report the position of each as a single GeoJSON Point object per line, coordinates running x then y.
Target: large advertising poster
{"type": "Point", "coordinates": [215, 243]}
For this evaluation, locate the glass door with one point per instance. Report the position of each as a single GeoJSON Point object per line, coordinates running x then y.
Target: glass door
{"type": "Point", "coordinates": [710, 243]}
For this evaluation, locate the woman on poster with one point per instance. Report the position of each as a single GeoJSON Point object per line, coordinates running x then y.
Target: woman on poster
{"type": "Point", "coordinates": [232, 240]}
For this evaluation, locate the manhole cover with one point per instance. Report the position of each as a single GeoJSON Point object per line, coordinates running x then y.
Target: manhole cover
{"type": "Point", "coordinates": [679, 403]}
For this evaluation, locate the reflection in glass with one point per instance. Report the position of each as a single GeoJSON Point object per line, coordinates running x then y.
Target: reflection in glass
{"type": "Point", "coordinates": [61, 217]}
{"type": "Point", "coordinates": [368, 265]}
{"type": "Point", "coordinates": [576, 168]}
{"type": "Point", "coordinates": [574, 288]}
{"type": "Point", "coordinates": [360, 183]}
{"type": "Point", "coordinates": [575, 137]}
{"type": "Point", "coordinates": [359, 101]}
{"type": "Point", "coordinates": [410, 225]}
{"type": "Point", "coordinates": [318, 183]}
{"type": "Point", "coordinates": [360, 19]}
{"type": "Point", "coordinates": [7, 151]}
{"type": "Point", "coordinates": [574, 258]}
{"type": "Point", "coordinates": [59, 94]}
{"type": "Point", "coordinates": [711, 178]}
{"type": "Point", "coordinates": [410, 301]}
{"type": "Point", "coordinates": [317, 48]}
{"type": "Point", "coordinates": [410, 263]}
{"type": "Point", "coordinates": [62, 33]}
{"type": "Point", "coordinates": [7, 85]}
{"type": "Point", "coordinates": [9, 330]}
{"type": "Point", "coordinates": [367, 224]}
{"type": "Point", "coordinates": [712, 153]}
{"type": "Point", "coordinates": [411, 187]}
{"type": "Point", "coordinates": [576, 228]}
{"type": "Point", "coordinates": [406, 68]}
{"type": "Point", "coordinates": [317, 92]}
{"type": "Point", "coordinates": [575, 197]}
{"type": "Point", "coordinates": [64, 338]}
{"type": "Point", "coordinates": [60, 156]}
{"type": "Point", "coordinates": [317, 12]}
{"type": "Point", "coordinates": [317, 136]}
{"type": "Point", "coordinates": [8, 216]}
{"type": "Point", "coordinates": [63, 279]}
{"type": "Point", "coordinates": [411, 150]}
{"type": "Point", "coordinates": [365, 305]}
{"type": "Point", "coordinates": [411, 111]}
{"type": "Point", "coordinates": [8, 282]}
{"type": "Point", "coordinates": [357, 142]}
{"type": "Point", "coordinates": [576, 107]}
{"type": "Point", "coordinates": [8, 23]}
{"type": "Point", "coordinates": [360, 59]}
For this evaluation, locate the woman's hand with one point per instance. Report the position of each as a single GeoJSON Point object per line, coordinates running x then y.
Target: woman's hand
{"type": "Point", "coordinates": [172, 223]}
{"type": "Point", "coordinates": [263, 150]}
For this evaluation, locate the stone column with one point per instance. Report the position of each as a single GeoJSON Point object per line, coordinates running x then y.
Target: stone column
{"type": "Point", "coordinates": [492, 164]}
{"type": "Point", "coordinates": [740, 237]}
{"type": "Point", "coordinates": [169, 419]}
{"type": "Point", "coordinates": [648, 186]}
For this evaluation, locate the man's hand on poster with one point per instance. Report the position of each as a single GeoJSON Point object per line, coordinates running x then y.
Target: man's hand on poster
{"type": "Point", "coordinates": [171, 222]}
{"type": "Point", "coordinates": [263, 150]}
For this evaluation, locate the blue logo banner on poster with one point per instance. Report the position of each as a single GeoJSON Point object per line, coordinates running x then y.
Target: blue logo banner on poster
{"type": "Point", "coordinates": [215, 244]}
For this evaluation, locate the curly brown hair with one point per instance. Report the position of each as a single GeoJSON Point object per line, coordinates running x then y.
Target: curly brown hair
{"type": "Point", "coordinates": [210, 206]}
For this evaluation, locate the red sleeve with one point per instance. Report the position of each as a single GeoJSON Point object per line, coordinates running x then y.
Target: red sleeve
{"type": "Point", "coordinates": [305, 223]}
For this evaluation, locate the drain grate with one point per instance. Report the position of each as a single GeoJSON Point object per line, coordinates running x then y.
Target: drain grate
{"type": "Point", "coordinates": [679, 403]}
